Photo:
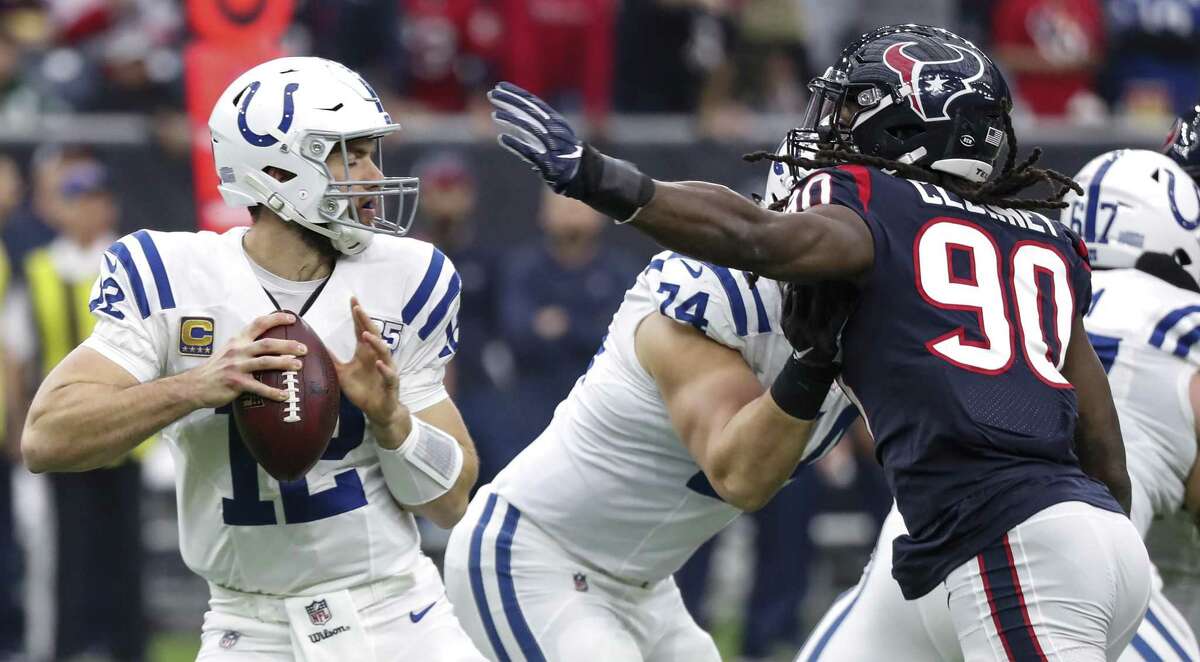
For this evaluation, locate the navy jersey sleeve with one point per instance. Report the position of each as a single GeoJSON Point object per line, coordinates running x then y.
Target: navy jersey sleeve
{"type": "Point", "coordinates": [1081, 271]}
{"type": "Point", "coordinates": [847, 185]}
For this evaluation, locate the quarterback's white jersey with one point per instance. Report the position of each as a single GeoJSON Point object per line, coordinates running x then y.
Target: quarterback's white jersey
{"type": "Point", "coordinates": [1145, 332]}
{"type": "Point", "coordinates": [165, 301]}
{"type": "Point", "coordinates": [609, 479]}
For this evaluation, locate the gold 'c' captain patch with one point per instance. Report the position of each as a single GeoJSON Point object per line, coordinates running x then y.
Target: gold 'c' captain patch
{"type": "Point", "coordinates": [196, 336]}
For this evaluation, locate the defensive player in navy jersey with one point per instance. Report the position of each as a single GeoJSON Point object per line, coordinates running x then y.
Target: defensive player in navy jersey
{"type": "Point", "coordinates": [964, 345]}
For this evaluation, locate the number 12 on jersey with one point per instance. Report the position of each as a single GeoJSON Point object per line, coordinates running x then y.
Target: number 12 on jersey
{"type": "Point", "coordinates": [1037, 278]}
{"type": "Point", "coordinates": [299, 505]}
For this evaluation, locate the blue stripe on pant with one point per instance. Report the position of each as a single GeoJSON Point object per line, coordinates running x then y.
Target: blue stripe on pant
{"type": "Point", "coordinates": [485, 614]}
{"type": "Point", "coordinates": [1154, 620]}
{"type": "Point", "coordinates": [837, 622]}
{"type": "Point", "coordinates": [1144, 649]}
{"type": "Point", "coordinates": [508, 592]}
{"type": "Point", "coordinates": [1007, 604]}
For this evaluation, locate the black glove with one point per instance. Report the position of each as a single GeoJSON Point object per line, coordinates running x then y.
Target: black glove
{"type": "Point", "coordinates": [543, 138]}
{"type": "Point", "coordinates": [813, 317]}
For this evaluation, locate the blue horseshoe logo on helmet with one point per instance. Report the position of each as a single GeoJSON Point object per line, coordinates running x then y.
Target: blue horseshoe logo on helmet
{"type": "Point", "coordinates": [1187, 223]}
{"type": "Point", "coordinates": [285, 122]}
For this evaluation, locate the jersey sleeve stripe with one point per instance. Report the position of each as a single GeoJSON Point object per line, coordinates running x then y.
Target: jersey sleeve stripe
{"type": "Point", "coordinates": [1184, 346]}
{"type": "Point", "coordinates": [655, 265]}
{"type": "Point", "coordinates": [737, 305]}
{"type": "Point", "coordinates": [425, 288]}
{"type": "Point", "coordinates": [451, 342]}
{"type": "Point", "coordinates": [862, 180]}
{"type": "Point", "coordinates": [121, 251]}
{"type": "Point", "coordinates": [764, 323]}
{"type": "Point", "coordinates": [442, 307]}
{"type": "Point", "coordinates": [840, 425]}
{"type": "Point", "coordinates": [1168, 322]}
{"type": "Point", "coordinates": [166, 298]}
{"type": "Point", "coordinates": [1106, 348]}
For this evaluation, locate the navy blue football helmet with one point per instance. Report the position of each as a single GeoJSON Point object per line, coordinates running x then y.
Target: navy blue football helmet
{"type": "Point", "coordinates": [915, 94]}
{"type": "Point", "coordinates": [1183, 143]}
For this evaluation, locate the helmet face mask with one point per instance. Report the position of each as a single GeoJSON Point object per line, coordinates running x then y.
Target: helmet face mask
{"type": "Point", "coordinates": [914, 94]}
{"type": "Point", "coordinates": [393, 200]}
{"type": "Point", "coordinates": [309, 112]}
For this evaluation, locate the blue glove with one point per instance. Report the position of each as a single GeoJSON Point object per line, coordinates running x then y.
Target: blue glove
{"type": "Point", "coordinates": [540, 136]}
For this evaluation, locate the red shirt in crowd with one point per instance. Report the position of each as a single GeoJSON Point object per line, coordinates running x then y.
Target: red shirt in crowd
{"type": "Point", "coordinates": [562, 46]}
{"type": "Point", "coordinates": [452, 48]}
{"type": "Point", "coordinates": [1066, 33]}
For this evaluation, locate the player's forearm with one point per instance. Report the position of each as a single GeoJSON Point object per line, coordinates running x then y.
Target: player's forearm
{"type": "Point", "coordinates": [709, 222]}
{"type": "Point", "coordinates": [449, 506]}
{"type": "Point", "coordinates": [448, 509]}
{"type": "Point", "coordinates": [81, 426]}
{"type": "Point", "coordinates": [755, 453]}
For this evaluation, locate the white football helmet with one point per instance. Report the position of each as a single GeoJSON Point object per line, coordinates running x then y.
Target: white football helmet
{"type": "Point", "coordinates": [291, 114]}
{"type": "Point", "coordinates": [1136, 201]}
{"type": "Point", "coordinates": [782, 179]}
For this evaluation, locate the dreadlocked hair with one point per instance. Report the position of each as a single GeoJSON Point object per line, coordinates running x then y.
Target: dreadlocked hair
{"type": "Point", "coordinates": [1013, 177]}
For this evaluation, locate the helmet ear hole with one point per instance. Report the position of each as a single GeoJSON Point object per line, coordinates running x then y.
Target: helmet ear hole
{"type": "Point", "coordinates": [904, 132]}
{"type": "Point", "coordinates": [279, 174]}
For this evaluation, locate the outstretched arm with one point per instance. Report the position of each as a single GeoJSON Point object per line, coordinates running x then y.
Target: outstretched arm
{"type": "Point", "coordinates": [713, 223]}
{"type": "Point", "coordinates": [1097, 432]}
{"type": "Point", "coordinates": [700, 219]}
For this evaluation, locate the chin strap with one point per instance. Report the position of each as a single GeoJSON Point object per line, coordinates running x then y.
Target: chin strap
{"type": "Point", "coordinates": [345, 240]}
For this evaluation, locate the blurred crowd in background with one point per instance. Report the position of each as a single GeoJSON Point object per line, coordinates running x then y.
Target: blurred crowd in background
{"type": "Point", "coordinates": [535, 305]}
{"type": "Point", "coordinates": [720, 60]}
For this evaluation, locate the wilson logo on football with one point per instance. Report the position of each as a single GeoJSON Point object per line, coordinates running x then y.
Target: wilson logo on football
{"type": "Point", "coordinates": [291, 384]}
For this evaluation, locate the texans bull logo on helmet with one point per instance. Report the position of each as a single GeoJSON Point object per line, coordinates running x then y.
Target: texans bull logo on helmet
{"type": "Point", "coordinates": [933, 83]}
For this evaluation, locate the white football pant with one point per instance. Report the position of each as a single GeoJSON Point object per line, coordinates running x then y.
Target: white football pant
{"type": "Point", "coordinates": [520, 596]}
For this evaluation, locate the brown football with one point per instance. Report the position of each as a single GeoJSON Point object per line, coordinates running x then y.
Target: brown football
{"type": "Point", "coordinates": [287, 438]}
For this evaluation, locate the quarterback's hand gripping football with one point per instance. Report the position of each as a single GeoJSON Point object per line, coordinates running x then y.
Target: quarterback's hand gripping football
{"type": "Point", "coordinates": [371, 382]}
{"type": "Point", "coordinates": [541, 137]}
{"type": "Point", "coordinates": [230, 372]}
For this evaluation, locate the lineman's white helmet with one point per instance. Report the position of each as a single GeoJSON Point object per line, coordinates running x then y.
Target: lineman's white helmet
{"type": "Point", "coordinates": [1136, 201]}
{"type": "Point", "coordinates": [291, 114]}
{"type": "Point", "coordinates": [782, 179]}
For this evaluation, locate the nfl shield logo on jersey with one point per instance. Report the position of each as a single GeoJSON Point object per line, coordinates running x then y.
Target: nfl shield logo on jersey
{"type": "Point", "coordinates": [319, 612]}
{"type": "Point", "coordinates": [581, 584]}
{"type": "Point", "coordinates": [230, 638]}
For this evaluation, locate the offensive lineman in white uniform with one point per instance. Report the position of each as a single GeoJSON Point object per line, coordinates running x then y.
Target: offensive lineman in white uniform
{"type": "Point", "coordinates": [568, 554]}
{"type": "Point", "coordinates": [327, 567]}
{"type": "Point", "coordinates": [1140, 209]}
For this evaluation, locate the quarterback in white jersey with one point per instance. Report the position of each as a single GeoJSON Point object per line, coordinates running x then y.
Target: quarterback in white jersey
{"type": "Point", "coordinates": [569, 553]}
{"type": "Point", "coordinates": [327, 567]}
{"type": "Point", "coordinates": [1139, 216]}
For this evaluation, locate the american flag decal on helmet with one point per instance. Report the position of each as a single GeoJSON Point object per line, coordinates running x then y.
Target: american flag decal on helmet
{"type": "Point", "coordinates": [994, 136]}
